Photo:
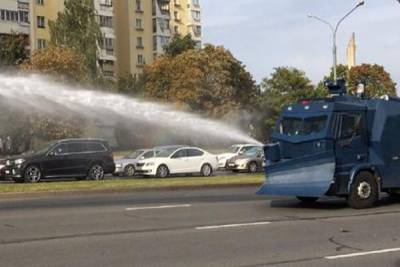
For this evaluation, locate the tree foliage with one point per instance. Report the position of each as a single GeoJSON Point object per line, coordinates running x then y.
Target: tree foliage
{"type": "Point", "coordinates": [13, 49]}
{"type": "Point", "coordinates": [62, 63]}
{"type": "Point", "coordinates": [77, 27]}
{"type": "Point", "coordinates": [131, 85]}
{"type": "Point", "coordinates": [210, 81]}
{"type": "Point", "coordinates": [178, 45]}
{"type": "Point", "coordinates": [376, 79]}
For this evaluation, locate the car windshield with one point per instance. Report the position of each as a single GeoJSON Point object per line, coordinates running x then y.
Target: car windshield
{"type": "Point", "coordinates": [134, 155]}
{"type": "Point", "coordinates": [166, 153]}
{"type": "Point", "coordinates": [234, 149]}
{"type": "Point", "coordinates": [298, 126]}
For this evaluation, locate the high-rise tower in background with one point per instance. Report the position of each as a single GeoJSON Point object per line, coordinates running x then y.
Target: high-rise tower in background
{"type": "Point", "coordinates": [134, 31]}
{"type": "Point", "coordinates": [351, 52]}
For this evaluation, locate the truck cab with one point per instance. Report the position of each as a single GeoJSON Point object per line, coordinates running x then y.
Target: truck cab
{"type": "Point", "coordinates": [335, 147]}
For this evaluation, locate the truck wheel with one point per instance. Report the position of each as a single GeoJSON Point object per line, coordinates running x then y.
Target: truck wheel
{"type": "Point", "coordinates": [307, 199]}
{"type": "Point", "coordinates": [363, 192]}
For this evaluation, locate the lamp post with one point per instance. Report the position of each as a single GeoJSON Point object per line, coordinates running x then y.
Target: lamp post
{"type": "Point", "coordinates": [334, 30]}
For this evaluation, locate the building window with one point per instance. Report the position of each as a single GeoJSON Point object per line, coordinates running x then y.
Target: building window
{"type": "Point", "coordinates": [196, 15]}
{"type": "Point", "coordinates": [108, 45]}
{"type": "Point", "coordinates": [107, 3]}
{"type": "Point", "coordinates": [106, 21]}
{"type": "Point", "coordinates": [176, 16]}
{"type": "Point", "coordinates": [139, 42]}
{"type": "Point", "coordinates": [138, 5]}
{"type": "Point", "coordinates": [176, 30]}
{"type": "Point", "coordinates": [196, 2]}
{"type": "Point", "coordinates": [41, 43]}
{"type": "Point", "coordinates": [40, 2]}
{"type": "Point", "coordinates": [40, 22]}
{"type": "Point", "coordinates": [24, 16]}
{"type": "Point", "coordinates": [140, 59]}
{"type": "Point", "coordinates": [139, 25]}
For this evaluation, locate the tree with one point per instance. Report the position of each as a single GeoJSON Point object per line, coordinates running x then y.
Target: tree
{"type": "Point", "coordinates": [210, 81]}
{"type": "Point", "coordinates": [65, 64]}
{"type": "Point", "coordinates": [284, 86]}
{"type": "Point", "coordinates": [13, 49]}
{"type": "Point", "coordinates": [376, 79]}
{"type": "Point", "coordinates": [178, 45]}
{"type": "Point", "coordinates": [131, 85]}
{"type": "Point", "coordinates": [76, 27]}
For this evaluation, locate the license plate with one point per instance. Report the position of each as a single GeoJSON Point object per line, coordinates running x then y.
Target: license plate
{"type": "Point", "coordinates": [231, 164]}
{"type": "Point", "coordinates": [7, 172]}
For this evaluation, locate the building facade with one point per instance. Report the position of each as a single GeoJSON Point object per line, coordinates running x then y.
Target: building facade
{"type": "Point", "coordinates": [134, 31]}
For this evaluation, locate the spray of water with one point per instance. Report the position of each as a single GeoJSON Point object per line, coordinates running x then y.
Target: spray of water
{"type": "Point", "coordinates": [42, 95]}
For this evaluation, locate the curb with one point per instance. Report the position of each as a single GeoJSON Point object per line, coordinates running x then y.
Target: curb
{"type": "Point", "coordinates": [78, 192]}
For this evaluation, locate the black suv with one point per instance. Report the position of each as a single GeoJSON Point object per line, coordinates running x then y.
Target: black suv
{"type": "Point", "coordinates": [77, 158]}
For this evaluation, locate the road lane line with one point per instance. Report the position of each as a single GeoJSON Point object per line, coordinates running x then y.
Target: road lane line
{"type": "Point", "coordinates": [159, 207]}
{"type": "Point", "coordinates": [210, 227]}
{"type": "Point", "coordinates": [359, 254]}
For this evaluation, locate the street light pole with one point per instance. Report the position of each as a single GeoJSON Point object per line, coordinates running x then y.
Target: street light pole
{"type": "Point", "coordinates": [334, 30]}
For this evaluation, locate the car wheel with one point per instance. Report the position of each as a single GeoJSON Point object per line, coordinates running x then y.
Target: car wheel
{"type": "Point", "coordinates": [96, 172]}
{"type": "Point", "coordinates": [253, 167]}
{"type": "Point", "coordinates": [206, 170]}
{"type": "Point", "coordinates": [363, 192]}
{"type": "Point", "coordinates": [308, 200]}
{"type": "Point", "coordinates": [130, 171]}
{"type": "Point", "coordinates": [162, 171]}
{"type": "Point", "coordinates": [32, 174]}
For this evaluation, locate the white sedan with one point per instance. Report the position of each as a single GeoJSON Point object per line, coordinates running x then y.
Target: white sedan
{"type": "Point", "coordinates": [183, 160]}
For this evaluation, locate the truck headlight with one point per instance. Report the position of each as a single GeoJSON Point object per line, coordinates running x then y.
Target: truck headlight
{"type": "Point", "coordinates": [19, 161]}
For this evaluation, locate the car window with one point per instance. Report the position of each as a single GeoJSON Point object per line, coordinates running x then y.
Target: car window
{"type": "Point", "coordinates": [246, 148]}
{"type": "Point", "coordinates": [179, 154]}
{"type": "Point", "coordinates": [194, 153]}
{"type": "Point", "coordinates": [60, 149]}
{"type": "Point", "coordinates": [76, 147]}
{"type": "Point", "coordinates": [95, 147]}
{"type": "Point", "coordinates": [148, 155]}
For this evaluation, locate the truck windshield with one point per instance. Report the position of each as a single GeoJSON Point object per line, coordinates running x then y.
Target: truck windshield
{"type": "Point", "coordinates": [299, 126]}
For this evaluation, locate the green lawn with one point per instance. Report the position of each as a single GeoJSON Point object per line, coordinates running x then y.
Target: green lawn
{"type": "Point", "coordinates": [132, 184]}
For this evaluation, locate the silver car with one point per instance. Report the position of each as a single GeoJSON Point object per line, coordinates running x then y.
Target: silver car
{"type": "Point", "coordinates": [251, 161]}
{"type": "Point", "coordinates": [127, 165]}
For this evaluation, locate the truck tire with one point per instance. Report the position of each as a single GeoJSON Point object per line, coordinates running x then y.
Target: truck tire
{"type": "Point", "coordinates": [364, 191]}
{"type": "Point", "coordinates": [308, 200]}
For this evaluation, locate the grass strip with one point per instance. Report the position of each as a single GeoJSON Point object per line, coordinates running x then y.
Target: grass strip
{"type": "Point", "coordinates": [132, 184]}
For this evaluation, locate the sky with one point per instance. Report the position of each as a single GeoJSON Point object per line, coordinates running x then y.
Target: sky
{"type": "Point", "coordinates": [264, 34]}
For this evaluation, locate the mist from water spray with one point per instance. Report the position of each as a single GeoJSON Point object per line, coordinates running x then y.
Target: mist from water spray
{"type": "Point", "coordinates": [39, 94]}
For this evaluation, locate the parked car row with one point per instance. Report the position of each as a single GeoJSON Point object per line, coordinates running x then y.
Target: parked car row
{"type": "Point", "coordinates": [93, 159]}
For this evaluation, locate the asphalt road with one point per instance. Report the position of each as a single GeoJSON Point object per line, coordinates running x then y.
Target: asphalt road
{"type": "Point", "coordinates": [218, 227]}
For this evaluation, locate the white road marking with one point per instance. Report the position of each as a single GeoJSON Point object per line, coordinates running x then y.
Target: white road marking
{"type": "Point", "coordinates": [359, 254]}
{"type": "Point", "coordinates": [159, 207]}
{"type": "Point", "coordinates": [231, 225]}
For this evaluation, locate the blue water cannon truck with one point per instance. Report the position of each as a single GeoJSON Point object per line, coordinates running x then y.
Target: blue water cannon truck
{"type": "Point", "coordinates": [345, 146]}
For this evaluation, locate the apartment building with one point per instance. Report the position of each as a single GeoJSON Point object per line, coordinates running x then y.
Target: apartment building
{"type": "Point", "coordinates": [14, 17]}
{"type": "Point", "coordinates": [134, 31]}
